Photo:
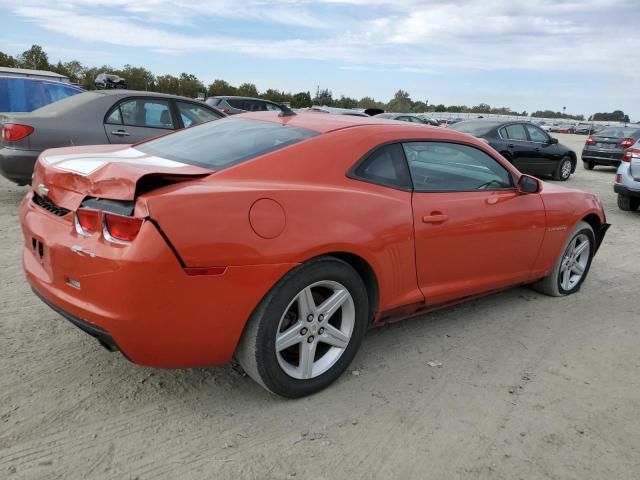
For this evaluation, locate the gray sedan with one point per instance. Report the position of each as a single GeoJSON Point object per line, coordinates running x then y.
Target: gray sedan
{"type": "Point", "coordinates": [93, 118]}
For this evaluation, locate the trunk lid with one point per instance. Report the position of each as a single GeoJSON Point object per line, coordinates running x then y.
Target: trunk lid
{"type": "Point", "coordinates": [67, 176]}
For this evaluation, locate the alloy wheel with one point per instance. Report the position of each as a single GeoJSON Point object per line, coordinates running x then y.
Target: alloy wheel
{"type": "Point", "coordinates": [315, 329]}
{"type": "Point", "coordinates": [565, 170]}
{"type": "Point", "coordinates": [574, 262]}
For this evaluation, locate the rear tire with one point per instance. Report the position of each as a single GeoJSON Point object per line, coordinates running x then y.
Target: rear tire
{"type": "Point", "coordinates": [588, 164]}
{"type": "Point", "coordinates": [563, 171]}
{"type": "Point", "coordinates": [627, 203]}
{"type": "Point", "coordinates": [295, 344]}
{"type": "Point", "coordinates": [572, 266]}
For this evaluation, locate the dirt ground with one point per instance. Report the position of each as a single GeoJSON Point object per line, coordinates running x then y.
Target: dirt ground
{"type": "Point", "coordinates": [530, 387]}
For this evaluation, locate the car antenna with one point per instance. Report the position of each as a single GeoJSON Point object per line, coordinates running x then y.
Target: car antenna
{"type": "Point", "coordinates": [286, 111]}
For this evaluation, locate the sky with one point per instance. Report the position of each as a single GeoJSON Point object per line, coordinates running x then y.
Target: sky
{"type": "Point", "coordinates": [527, 55]}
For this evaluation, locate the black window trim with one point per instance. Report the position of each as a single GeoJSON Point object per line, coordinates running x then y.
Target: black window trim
{"type": "Point", "coordinates": [172, 110]}
{"type": "Point", "coordinates": [351, 173]}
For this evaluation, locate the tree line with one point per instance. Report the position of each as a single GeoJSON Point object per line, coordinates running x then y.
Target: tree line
{"type": "Point", "coordinates": [188, 85]}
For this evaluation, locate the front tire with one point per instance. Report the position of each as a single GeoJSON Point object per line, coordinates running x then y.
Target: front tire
{"type": "Point", "coordinates": [307, 329]}
{"type": "Point", "coordinates": [572, 266]}
{"type": "Point", "coordinates": [627, 203]}
{"type": "Point", "coordinates": [563, 171]}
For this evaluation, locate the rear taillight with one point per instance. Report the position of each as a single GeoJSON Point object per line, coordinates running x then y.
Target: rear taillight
{"type": "Point", "coordinates": [13, 132]}
{"type": "Point", "coordinates": [88, 221]}
{"type": "Point", "coordinates": [618, 178]}
{"type": "Point", "coordinates": [629, 154]}
{"type": "Point", "coordinates": [626, 142]}
{"type": "Point", "coordinates": [589, 140]}
{"type": "Point", "coordinates": [121, 228]}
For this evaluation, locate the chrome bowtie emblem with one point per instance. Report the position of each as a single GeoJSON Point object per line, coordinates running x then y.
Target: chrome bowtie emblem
{"type": "Point", "coordinates": [42, 189]}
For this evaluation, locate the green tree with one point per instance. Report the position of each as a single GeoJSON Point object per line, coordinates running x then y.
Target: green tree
{"type": "Point", "coordinates": [7, 60]}
{"type": "Point", "coordinates": [420, 107]}
{"type": "Point", "coordinates": [167, 84]}
{"type": "Point", "coordinates": [346, 102]}
{"type": "Point", "coordinates": [301, 100]}
{"type": "Point", "coordinates": [481, 108]}
{"type": "Point", "coordinates": [137, 78]}
{"type": "Point", "coordinates": [220, 87]}
{"type": "Point", "coordinates": [401, 102]}
{"type": "Point", "coordinates": [35, 58]}
{"type": "Point", "coordinates": [189, 85]}
{"type": "Point", "coordinates": [440, 108]}
{"type": "Point", "coordinates": [247, 90]}
{"type": "Point", "coordinates": [323, 97]}
{"type": "Point", "coordinates": [368, 102]}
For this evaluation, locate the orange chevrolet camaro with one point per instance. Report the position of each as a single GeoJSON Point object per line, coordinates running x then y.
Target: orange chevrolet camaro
{"type": "Point", "coordinates": [278, 239]}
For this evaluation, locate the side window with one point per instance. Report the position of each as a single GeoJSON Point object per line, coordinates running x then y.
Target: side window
{"type": "Point", "coordinates": [450, 167]}
{"type": "Point", "coordinates": [115, 118]}
{"type": "Point", "coordinates": [145, 113]}
{"type": "Point", "coordinates": [272, 107]}
{"type": "Point", "coordinates": [385, 166]}
{"type": "Point", "coordinates": [536, 134]}
{"type": "Point", "coordinates": [193, 114]}
{"type": "Point", "coordinates": [235, 103]}
{"type": "Point", "coordinates": [516, 132]}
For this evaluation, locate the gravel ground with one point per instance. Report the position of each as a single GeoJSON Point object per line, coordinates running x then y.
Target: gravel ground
{"type": "Point", "coordinates": [530, 387]}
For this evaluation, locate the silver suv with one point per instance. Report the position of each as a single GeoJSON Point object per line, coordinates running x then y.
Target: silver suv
{"type": "Point", "coordinates": [627, 184]}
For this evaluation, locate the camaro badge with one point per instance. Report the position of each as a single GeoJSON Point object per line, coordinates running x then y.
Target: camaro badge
{"type": "Point", "coordinates": [43, 191]}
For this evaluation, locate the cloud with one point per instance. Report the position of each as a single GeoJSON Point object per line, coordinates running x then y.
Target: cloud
{"type": "Point", "coordinates": [409, 35]}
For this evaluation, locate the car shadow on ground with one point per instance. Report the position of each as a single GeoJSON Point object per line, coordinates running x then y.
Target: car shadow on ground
{"type": "Point", "coordinates": [386, 350]}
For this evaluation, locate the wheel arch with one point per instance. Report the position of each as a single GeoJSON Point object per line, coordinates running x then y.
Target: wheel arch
{"type": "Point", "coordinates": [368, 275]}
{"type": "Point", "coordinates": [574, 160]}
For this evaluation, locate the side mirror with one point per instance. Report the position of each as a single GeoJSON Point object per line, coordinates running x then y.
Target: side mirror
{"type": "Point", "coordinates": [553, 140]}
{"type": "Point", "coordinates": [528, 184]}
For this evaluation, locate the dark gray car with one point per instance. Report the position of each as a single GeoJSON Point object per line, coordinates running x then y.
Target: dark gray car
{"type": "Point", "coordinates": [232, 105]}
{"type": "Point", "coordinates": [403, 117]}
{"type": "Point", "coordinates": [93, 118]}
{"type": "Point", "coordinates": [607, 146]}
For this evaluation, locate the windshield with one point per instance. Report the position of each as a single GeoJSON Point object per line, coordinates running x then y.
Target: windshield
{"type": "Point", "coordinates": [619, 132]}
{"type": "Point", "coordinates": [473, 128]}
{"type": "Point", "coordinates": [220, 144]}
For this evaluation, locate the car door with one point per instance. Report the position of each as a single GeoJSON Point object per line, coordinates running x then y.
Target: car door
{"type": "Point", "coordinates": [137, 118]}
{"type": "Point", "coordinates": [474, 232]}
{"type": "Point", "coordinates": [546, 154]}
{"type": "Point", "coordinates": [520, 148]}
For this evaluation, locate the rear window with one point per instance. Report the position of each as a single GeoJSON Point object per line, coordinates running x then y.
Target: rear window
{"type": "Point", "coordinates": [226, 142]}
{"type": "Point", "coordinates": [472, 128]}
{"type": "Point", "coordinates": [619, 132]}
{"type": "Point", "coordinates": [27, 94]}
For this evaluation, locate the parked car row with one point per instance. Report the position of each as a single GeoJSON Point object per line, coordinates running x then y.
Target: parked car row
{"type": "Point", "coordinates": [112, 116]}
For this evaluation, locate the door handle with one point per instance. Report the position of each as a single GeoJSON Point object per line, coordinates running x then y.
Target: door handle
{"type": "Point", "coordinates": [510, 145]}
{"type": "Point", "coordinates": [537, 149]}
{"type": "Point", "coordinates": [121, 133]}
{"type": "Point", "coordinates": [435, 218]}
